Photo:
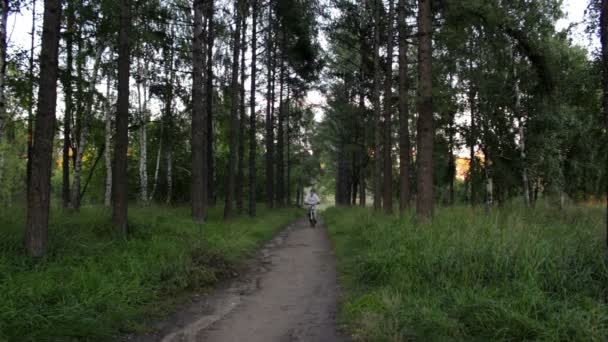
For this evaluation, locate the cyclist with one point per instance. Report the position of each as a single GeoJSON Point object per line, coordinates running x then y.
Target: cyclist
{"type": "Point", "coordinates": [312, 200]}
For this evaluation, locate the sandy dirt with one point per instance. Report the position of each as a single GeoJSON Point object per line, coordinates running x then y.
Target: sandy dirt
{"type": "Point", "coordinates": [288, 292]}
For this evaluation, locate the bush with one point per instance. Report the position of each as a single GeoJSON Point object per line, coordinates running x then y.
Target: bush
{"type": "Point", "coordinates": [510, 274]}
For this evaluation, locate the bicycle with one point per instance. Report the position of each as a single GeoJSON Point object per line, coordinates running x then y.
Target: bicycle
{"type": "Point", "coordinates": [312, 215]}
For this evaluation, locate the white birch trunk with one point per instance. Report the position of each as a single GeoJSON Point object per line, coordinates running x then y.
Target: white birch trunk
{"type": "Point", "coordinates": [157, 168]}
{"type": "Point", "coordinates": [75, 197]}
{"type": "Point", "coordinates": [143, 139]}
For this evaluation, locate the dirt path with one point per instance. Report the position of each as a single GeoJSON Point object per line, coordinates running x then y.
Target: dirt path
{"type": "Point", "coordinates": [289, 293]}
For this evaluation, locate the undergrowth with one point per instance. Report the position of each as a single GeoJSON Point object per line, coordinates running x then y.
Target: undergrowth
{"type": "Point", "coordinates": [510, 274]}
{"type": "Point", "coordinates": [94, 284]}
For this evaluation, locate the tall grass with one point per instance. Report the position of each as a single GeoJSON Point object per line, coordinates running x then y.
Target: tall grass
{"type": "Point", "coordinates": [507, 275]}
{"type": "Point", "coordinates": [95, 284]}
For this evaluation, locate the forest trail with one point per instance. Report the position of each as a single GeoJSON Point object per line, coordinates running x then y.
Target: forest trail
{"type": "Point", "coordinates": [289, 293]}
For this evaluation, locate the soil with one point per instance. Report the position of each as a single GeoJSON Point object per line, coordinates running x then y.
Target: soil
{"type": "Point", "coordinates": [288, 292]}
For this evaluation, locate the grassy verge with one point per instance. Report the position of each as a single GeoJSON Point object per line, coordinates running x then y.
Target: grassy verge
{"type": "Point", "coordinates": [508, 275]}
{"type": "Point", "coordinates": [95, 284]}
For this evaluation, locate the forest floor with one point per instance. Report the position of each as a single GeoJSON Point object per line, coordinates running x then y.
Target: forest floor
{"type": "Point", "coordinates": [287, 292]}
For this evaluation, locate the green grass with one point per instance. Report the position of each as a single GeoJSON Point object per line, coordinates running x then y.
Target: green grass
{"type": "Point", "coordinates": [94, 284]}
{"type": "Point", "coordinates": [508, 275]}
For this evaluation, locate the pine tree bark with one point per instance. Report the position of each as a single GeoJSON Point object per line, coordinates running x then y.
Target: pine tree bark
{"type": "Point", "coordinates": [426, 130]}
{"type": "Point", "coordinates": [120, 203]}
{"type": "Point", "coordinates": [39, 194]}
{"type": "Point", "coordinates": [209, 103]}
{"type": "Point", "coordinates": [69, 105]}
{"type": "Point", "coordinates": [288, 144]}
{"type": "Point", "coordinates": [388, 97]}
{"type": "Point", "coordinates": [404, 114]}
{"type": "Point", "coordinates": [269, 137]}
{"type": "Point", "coordinates": [234, 110]}
{"type": "Point", "coordinates": [240, 180]}
{"type": "Point", "coordinates": [198, 197]}
{"type": "Point", "coordinates": [252, 115]}
{"type": "Point", "coordinates": [167, 129]}
{"type": "Point", "coordinates": [280, 158]}
{"type": "Point", "coordinates": [108, 145]}
{"type": "Point", "coordinates": [604, 40]}
{"type": "Point", "coordinates": [377, 111]}
{"type": "Point", "coordinates": [451, 161]}
{"type": "Point", "coordinates": [4, 7]}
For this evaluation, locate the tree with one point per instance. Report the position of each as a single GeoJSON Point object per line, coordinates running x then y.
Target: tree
{"type": "Point", "coordinates": [210, 38]}
{"type": "Point", "coordinates": [280, 157]}
{"type": "Point", "coordinates": [69, 103]}
{"type": "Point", "coordinates": [376, 104]}
{"type": "Point", "coordinates": [30, 112]}
{"type": "Point", "coordinates": [388, 98]}
{"type": "Point", "coordinates": [252, 115]}
{"type": "Point", "coordinates": [269, 136]}
{"type": "Point", "coordinates": [108, 144]}
{"type": "Point", "coordinates": [426, 131]}
{"type": "Point", "coordinates": [604, 40]}
{"type": "Point", "coordinates": [38, 197]}
{"type": "Point", "coordinates": [198, 196]}
{"type": "Point", "coordinates": [84, 131]}
{"type": "Point", "coordinates": [4, 7]}
{"type": "Point", "coordinates": [119, 191]}
{"type": "Point", "coordinates": [234, 110]}
{"type": "Point", "coordinates": [404, 134]}
{"type": "Point", "coordinates": [240, 179]}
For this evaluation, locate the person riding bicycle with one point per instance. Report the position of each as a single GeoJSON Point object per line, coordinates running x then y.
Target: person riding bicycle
{"type": "Point", "coordinates": [313, 201]}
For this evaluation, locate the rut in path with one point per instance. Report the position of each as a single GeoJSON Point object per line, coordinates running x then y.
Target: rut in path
{"type": "Point", "coordinates": [289, 294]}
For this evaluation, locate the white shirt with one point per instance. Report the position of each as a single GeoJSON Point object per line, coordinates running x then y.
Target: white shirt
{"type": "Point", "coordinates": [312, 199]}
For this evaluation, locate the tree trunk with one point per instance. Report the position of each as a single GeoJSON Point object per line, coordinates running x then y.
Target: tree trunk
{"type": "Point", "coordinates": [143, 122]}
{"type": "Point", "coordinates": [288, 144]}
{"type": "Point", "coordinates": [120, 184]}
{"type": "Point", "coordinates": [209, 96]}
{"type": "Point", "coordinates": [240, 180]}
{"type": "Point", "coordinates": [108, 143]}
{"type": "Point", "coordinates": [281, 125]}
{"type": "Point", "coordinates": [159, 155]}
{"type": "Point", "coordinates": [472, 143]}
{"type": "Point", "coordinates": [198, 196]}
{"type": "Point", "coordinates": [30, 114]}
{"type": "Point", "coordinates": [69, 105]}
{"type": "Point", "coordinates": [269, 119]}
{"type": "Point", "coordinates": [84, 131]}
{"type": "Point", "coordinates": [39, 194]}
{"type": "Point", "coordinates": [451, 161]}
{"type": "Point", "coordinates": [234, 110]}
{"type": "Point", "coordinates": [252, 116]}
{"type": "Point", "coordinates": [404, 130]}
{"type": "Point", "coordinates": [388, 96]}
{"type": "Point", "coordinates": [524, 175]}
{"type": "Point", "coordinates": [604, 39]}
{"type": "Point", "coordinates": [426, 130]}
{"type": "Point", "coordinates": [376, 104]}
{"type": "Point", "coordinates": [79, 96]}
{"type": "Point", "coordinates": [4, 7]}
